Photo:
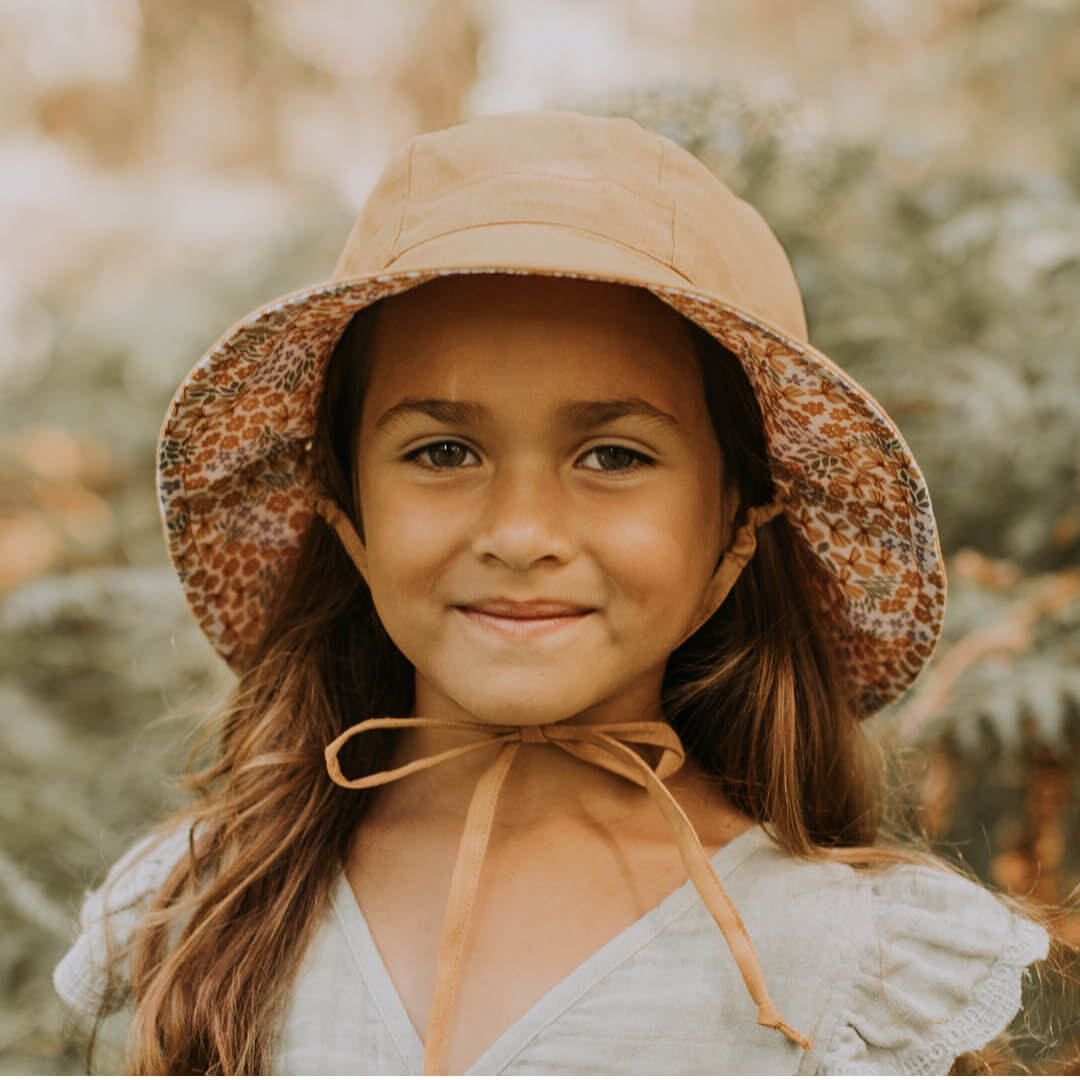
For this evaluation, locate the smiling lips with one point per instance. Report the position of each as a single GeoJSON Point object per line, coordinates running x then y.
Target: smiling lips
{"type": "Point", "coordinates": [524, 618]}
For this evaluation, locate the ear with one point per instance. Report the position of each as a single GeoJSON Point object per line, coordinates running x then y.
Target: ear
{"type": "Point", "coordinates": [740, 550]}
{"type": "Point", "coordinates": [731, 566]}
{"type": "Point", "coordinates": [339, 521]}
{"type": "Point", "coordinates": [730, 500]}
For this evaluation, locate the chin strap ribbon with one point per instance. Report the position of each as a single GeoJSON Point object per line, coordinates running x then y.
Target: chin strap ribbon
{"type": "Point", "coordinates": [609, 746]}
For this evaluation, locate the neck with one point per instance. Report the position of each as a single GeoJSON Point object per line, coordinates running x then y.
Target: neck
{"type": "Point", "coordinates": [546, 786]}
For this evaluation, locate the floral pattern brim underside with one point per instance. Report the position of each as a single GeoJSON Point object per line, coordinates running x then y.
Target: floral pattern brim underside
{"type": "Point", "coordinates": [233, 495]}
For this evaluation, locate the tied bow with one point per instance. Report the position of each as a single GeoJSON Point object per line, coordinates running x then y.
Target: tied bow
{"type": "Point", "coordinates": [609, 746]}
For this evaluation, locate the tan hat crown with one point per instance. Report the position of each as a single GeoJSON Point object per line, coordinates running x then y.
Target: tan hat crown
{"type": "Point", "coordinates": [604, 181]}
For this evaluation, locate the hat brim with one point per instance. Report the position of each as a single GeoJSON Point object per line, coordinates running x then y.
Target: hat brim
{"type": "Point", "coordinates": [235, 505]}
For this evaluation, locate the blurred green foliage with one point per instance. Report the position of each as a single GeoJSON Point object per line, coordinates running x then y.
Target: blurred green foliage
{"type": "Point", "coordinates": [945, 285]}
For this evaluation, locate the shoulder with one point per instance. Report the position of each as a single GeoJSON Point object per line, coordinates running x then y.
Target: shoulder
{"type": "Point", "coordinates": [897, 970]}
{"type": "Point", "coordinates": [936, 965]}
{"type": "Point", "coordinates": [90, 975]}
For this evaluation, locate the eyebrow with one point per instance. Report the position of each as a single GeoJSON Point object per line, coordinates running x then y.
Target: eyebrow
{"type": "Point", "coordinates": [579, 415]}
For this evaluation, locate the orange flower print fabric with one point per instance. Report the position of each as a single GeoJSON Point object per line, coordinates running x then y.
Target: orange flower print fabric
{"type": "Point", "coordinates": [232, 463]}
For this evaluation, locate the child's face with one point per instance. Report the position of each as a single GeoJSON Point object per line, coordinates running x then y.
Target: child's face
{"type": "Point", "coordinates": [526, 489]}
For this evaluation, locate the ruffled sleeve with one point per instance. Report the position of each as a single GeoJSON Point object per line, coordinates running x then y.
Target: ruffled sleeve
{"type": "Point", "coordinates": [939, 975]}
{"type": "Point", "coordinates": [92, 975]}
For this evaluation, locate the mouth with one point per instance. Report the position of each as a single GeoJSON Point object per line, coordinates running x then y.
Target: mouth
{"type": "Point", "coordinates": [524, 620]}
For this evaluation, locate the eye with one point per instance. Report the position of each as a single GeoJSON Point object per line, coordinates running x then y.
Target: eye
{"type": "Point", "coordinates": [443, 455]}
{"type": "Point", "coordinates": [617, 459]}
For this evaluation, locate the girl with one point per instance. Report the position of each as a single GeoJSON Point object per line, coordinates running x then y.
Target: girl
{"type": "Point", "coordinates": [557, 568]}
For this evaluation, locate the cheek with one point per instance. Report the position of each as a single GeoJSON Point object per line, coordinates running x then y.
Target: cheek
{"type": "Point", "coordinates": [663, 555]}
{"type": "Point", "coordinates": [407, 534]}
{"type": "Point", "coordinates": [410, 540]}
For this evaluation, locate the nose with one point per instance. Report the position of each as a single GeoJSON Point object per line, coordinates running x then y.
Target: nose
{"type": "Point", "coordinates": [526, 519]}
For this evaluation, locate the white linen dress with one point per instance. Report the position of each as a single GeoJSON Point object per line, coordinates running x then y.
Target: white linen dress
{"type": "Point", "coordinates": [893, 972]}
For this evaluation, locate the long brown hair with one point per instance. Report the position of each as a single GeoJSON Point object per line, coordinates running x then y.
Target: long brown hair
{"type": "Point", "coordinates": [754, 694]}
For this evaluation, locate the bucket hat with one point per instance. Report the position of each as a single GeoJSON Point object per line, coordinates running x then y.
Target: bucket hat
{"type": "Point", "coordinates": [556, 193]}
{"type": "Point", "coordinates": [581, 196]}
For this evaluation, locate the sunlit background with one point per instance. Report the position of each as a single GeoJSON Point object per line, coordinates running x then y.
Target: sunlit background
{"type": "Point", "coordinates": [167, 165]}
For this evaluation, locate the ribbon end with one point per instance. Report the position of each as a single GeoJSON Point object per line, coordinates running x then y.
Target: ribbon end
{"type": "Point", "coordinates": [769, 1017]}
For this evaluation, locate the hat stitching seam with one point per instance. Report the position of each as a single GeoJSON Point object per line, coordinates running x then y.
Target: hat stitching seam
{"type": "Point", "coordinates": [660, 183]}
{"type": "Point", "coordinates": [548, 224]}
{"type": "Point", "coordinates": [404, 201]}
{"type": "Point", "coordinates": [663, 203]}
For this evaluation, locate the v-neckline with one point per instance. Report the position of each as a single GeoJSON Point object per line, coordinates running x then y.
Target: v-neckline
{"type": "Point", "coordinates": [375, 974]}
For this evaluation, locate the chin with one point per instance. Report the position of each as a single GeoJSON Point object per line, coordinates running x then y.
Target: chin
{"type": "Point", "coordinates": [521, 708]}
